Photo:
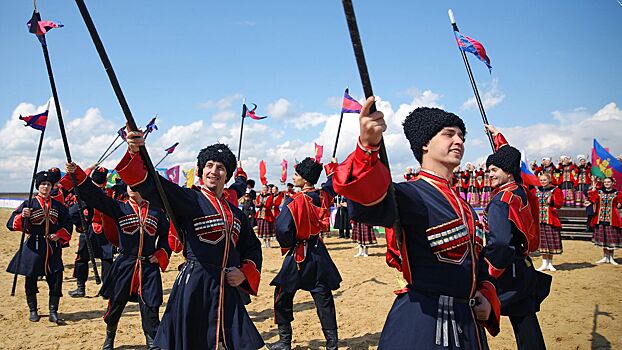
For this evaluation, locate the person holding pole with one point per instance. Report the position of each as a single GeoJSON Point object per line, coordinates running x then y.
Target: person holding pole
{"type": "Point", "coordinates": [450, 296]}
{"type": "Point", "coordinates": [47, 223]}
{"type": "Point", "coordinates": [514, 233]}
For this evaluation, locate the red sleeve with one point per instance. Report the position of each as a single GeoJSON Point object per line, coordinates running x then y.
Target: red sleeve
{"type": "Point", "coordinates": [173, 240]}
{"type": "Point", "coordinates": [499, 141]}
{"type": "Point", "coordinates": [489, 292]}
{"type": "Point", "coordinates": [66, 183]}
{"type": "Point", "coordinates": [132, 169]}
{"type": "Point", "coordinates": [330, 168]}
{"type": "Point", "coordinates": [362, 178]}
{"type": "Point", "coordinates": [593, 196]}
{"type": "Point", "coordinates": [558, 198]}
{"type": "Point", "coordinates": [64, 236]}
{"type": "Point", "coordinates": [494, 271]}
{"type": "Point", "coordinates": [249, 269]}
{"type": "Point", "coordinates": [162, 257]}
{"type": "Point", "coordinates": [393, 256]}
{"type": "Point", "coordinates": [18, 222]}
{"type": "Point", "coordinates": [240, 173]}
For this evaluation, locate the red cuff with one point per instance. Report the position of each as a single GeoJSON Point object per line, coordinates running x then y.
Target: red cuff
{"type": "Point", "coordinates": [64, 236]}
{"type": "Point", "coordinates": [330, 168]}
{"type": "Point", "coordinates": [362, 178]}
{"type": "Point", "coordinates": [173, 240]}
{"type": "Point", "coordinates": [240, 173]}
{"type": "Point", "coordinates": [249, 269]}
{"type": "Point", "coordinates": [132, 169]}
{"type": "Point", "coordinates": [393, 256]}
{"type": "Point", "coordinates": [493, 271]}
{"type": "Point", "coordinates": [18, 222]}
{"type": "Point", "coordinates": [499, 141]}
{"type": "Point", "coordinates": [162, 257]}
{"type": "Point", "coordinates": [489, 292]}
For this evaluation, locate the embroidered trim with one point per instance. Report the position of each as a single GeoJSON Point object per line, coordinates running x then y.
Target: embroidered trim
{"type": "Point", "coordinates": [210, 229]}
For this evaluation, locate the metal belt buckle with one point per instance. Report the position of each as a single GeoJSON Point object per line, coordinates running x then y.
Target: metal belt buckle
{"type": "Point", "coordinates": [226, 269]}
{"type": "Point", "coordinates": [472, 302]}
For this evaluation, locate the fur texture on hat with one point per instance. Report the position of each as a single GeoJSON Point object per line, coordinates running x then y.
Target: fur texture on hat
{"type": "Point", "coordinates": [43, 176]}
{"type": "Point", "coordinates": [54, 174]}
{"type": "Point", "coordinates": [217, 152]}
{"type": "Point", "coordinates": [507, 158]}
{"type": "Point", "coordinates": [99, 175]}
{"type": "Point", "coordinates": [309, 170]}
{"type": "Point", "coordinates": [422, 124]}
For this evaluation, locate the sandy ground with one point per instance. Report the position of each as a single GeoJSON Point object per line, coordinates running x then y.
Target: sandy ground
{"type": "Point", "coordinates": [582, 312]}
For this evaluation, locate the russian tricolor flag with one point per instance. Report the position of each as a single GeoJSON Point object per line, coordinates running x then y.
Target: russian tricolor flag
{"type": "Point", "coordinates": [473, 46]}
{"type": "Point", "coordinates": [528, 177]}
{"type": "Point", "coordinates": [37, 121]}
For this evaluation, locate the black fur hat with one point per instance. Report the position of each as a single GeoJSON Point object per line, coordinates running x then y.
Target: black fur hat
{"type": "Point", "coordinates": [217, 152]}
{"type": "Point", "coordinates": [43, 176]}
{"type": "Point", "coordinates": [251, 183]}
{"type": "Point", "coordinates": [99, 175]}
{"type": "Point", "coordinates": [508, 159]}
{"type": "Point", "coordinates": [422, 124]}
{"type": "Point", "coordinates": [54, 174]}
{"type": "Point", "coordinates": [309, 170]}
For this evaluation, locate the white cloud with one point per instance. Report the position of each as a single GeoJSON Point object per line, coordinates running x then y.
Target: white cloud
{"type": "Point", "coordinates": [279, 108]}
{"type": "Point", "coordinates": [490, 98]}
{"type": "Point", "coordinates": [222, 103]}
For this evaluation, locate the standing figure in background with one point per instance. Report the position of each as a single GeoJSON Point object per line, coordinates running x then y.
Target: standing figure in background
{"type": "Point", "coordinates": [584, 178]}
{"type": "Point", "coordinates": [265, 220]}
{"type": "Point", "coordinates": [342, 219]}
{"type": "Point", "coordinates": [550, 199]}
{"type": "Point", "coordinates": [47, 223]}
{"type": "Point", "coordinates": [473, 197]}
{"type": "Point", "coordinates": [547, 167]}
{"type": "Point", "coordinates": [364, 236]}
{"type": "Point", "coordinates": [606, 220]}
{"type": "Point", "coordinates": [486, 188]}
{"type": "Point", "coordinates": [567, 182]}
{"type": "Point", "coordinates": [410, 174]}
{"type": "Point", "coordinates": [248, 207]}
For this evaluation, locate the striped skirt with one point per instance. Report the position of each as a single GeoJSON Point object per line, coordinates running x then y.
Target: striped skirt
{"type": "Point", "coordinates": [363, 234]}
{"type": "Point", "coordinates": [550, 240]}
{"type": "Point", "coordinates": [265, 229]}
{"type": "Point", "coordinates": [607, 236]}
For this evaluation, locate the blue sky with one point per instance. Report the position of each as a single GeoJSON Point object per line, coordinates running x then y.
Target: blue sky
{"type": "Point", "coordinates": [556, 69]}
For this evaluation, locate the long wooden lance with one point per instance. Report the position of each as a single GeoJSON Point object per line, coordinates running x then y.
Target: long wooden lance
{"type": "Point", "coordinates": [242, 127]}
{"type": "Point", "coordinates": [61, 124]}
{"type": "Point", "coordinates": [104, 156]}
{"type": "Point", "coordinates": [131, 123]}
{"type": "Point", "coordinates": [25, 222]}
{"type": "Point", "coordinates": [355, 37]}
{"type": "Point", "coordinates": [482, 112]}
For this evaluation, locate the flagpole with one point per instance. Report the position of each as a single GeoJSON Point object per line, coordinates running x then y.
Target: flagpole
{"type": "Point", "coordinates": [242, 127]}
{"type": "Point", "coordinates": [473, 85]}
{"type": "Point", "coordinates": [126, 109]}
{"type": "Point", "coordinates": [111, 152]}
{"type": "Point", "coordinates": [102, 156]}
{"type": "Point", "coordinates": [158, 163]}
{"type": "Point", "coordinates": [338, 130]}
{"type": "Point", "coordinates": [149, 130]}
{"type": "Point", "coordinates": [25, 222]}
{"type": "Point", "coordinates": [63, 134]}
{"type": "Point", "coordinates": [357, 45]}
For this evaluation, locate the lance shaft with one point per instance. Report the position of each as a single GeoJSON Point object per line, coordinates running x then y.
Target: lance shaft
{"type": "Point", "coordinates": [357, 45]}
{"type": "Point", "coordinates": [475, 91]}
{"type": "Point", "coordinates": [338, 131]}
{"type": "Point", "coordinates": [25, 222]}
{"type": "Point", "coordinates": [126, 108]}
{"type": "Point", "coordinates": [74, 182]}
{"type": "Point", "coordinates": [161, 160]}
{"type": "Point", "coordinates": [241, 129]}
{"type": "Point", "coordinates": [101, 159]}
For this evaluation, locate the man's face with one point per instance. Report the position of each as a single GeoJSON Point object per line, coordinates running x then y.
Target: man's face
{"type": "Point", "coordinates": [135, 196]}
{"type": "Point", "coordinates": [45, 188]}
{"type": "Point", "coordinates": [214, 176]}
{"type": "Point", "coordinates": [498, 177]}
{"type": "Point", "coordinates": [446, 147]}
{"type": "Point", "coordinates": [298, 180]}
{"type": "Point", "coordinates": [544, 181]}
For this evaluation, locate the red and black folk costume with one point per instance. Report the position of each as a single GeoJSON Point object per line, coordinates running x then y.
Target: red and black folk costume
{"type": "Point", "coordinates": [584, 179]}
{"type": "Point", "coordinates": [364, 236]}
{"type": "Point", "coordinates": [514, 233]}
{"type": "Point", "coordinates": [140, 231]}
{"type": "Point", "coordinates": [342, 219]}
{"type": "Point", "coordinates": [606, 220]}
{"type": "Point", "coordinates": [307, 264]}
{"type": "Point", "coordinates": [264, 217]}
{"type": "Point", "coordinates": [203, 310]}
{"type": "Point", "coordinates": [486, 189]}
{"type": "Point", "coordinates": [567, 180]}
{"type": "Point", "coordinates": [550, 199]}
{"type": "Point", "coordinates": [442, 241]}
{"type": "Point", "coordinates": [40, 255]}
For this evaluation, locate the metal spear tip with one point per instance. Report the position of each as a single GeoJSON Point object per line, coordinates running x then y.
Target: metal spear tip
{"type": "Point", "coordinates": [452, 19]}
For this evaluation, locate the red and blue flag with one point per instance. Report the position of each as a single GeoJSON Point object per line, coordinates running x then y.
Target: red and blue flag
{"type": "Point", "coordinates": [37, 121]}
{"type": "Point", "coordinates": [473, 46]}
{"type": "Point", "coordinates": [38, 27]}
{"type": "Point", "coordinates": [604, 164]}
{"type": "Point", "coordinates": [251, 113]}
{"type": "Point", "coordinates": [350, 105]}
{"type": "Point", "coordinates": [122, 133]}
{"type": "Point", "coordinates": [527, 176]}
{"type": "Point", "coordinates": [172, 148]}
{"type": "Point", "coordinates": [151, 126]}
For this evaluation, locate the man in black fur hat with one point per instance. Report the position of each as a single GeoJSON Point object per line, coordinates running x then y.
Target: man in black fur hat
{"type": "Point", "coordinates": [102, 249]}
{"type": "Point", "coordinates": [205, 309]}
{"type": "Point", "coordinates": [449, 296]}
{"type": "Point", "coordinates": [513, 234]}
{"type": "Point", "coordinates": [47, 223]}
{"type": "Point", "coordinates": [307, 264]}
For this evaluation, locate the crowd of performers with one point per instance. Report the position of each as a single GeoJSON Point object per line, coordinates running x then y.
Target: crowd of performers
{"type": "Point", "coordinates": [462, 271]}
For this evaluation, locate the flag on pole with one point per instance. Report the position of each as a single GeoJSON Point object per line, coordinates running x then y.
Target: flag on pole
{"type": "Point", "coordinates": [319, 151]}
{"type": "Point", "coordinates": [112, 179]}
{"type": "Point", "coordinates": [122, 133]}
{"type": "Point", "coordinates": [350, 105]}
{"type": "Point", "coordinates": [151, 126]}
{"type": "Point", "coordinates": [262, 173]}
{"type": "Point", "coordinates": [251, 113]}
{"type": "Point", "coordinates": [172, 148]}
{"type": "Point", "coordinates": [37, 121]}
{"type": "Point", "coordinates": [473, 46]}
{"type": "Point", "coordinates": [189, 175]}
{"type": "Point", "coordinates": [172, 174]}
{"type": "Point", "coordinates": [604, 164]}
{"type": "Point", "coordinates": [283, 171]}
{"type": "Point", "coordinates": [528, 177]}
{"type": "Point", "coordinates": [38, 27]}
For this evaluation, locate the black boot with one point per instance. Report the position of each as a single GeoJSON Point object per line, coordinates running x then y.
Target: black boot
{"type": "Point", "coordinates": [331, 338]}
{"type": "Point", "coordinates": [149, 342]}
{"type": "Point", "coordinates": [32, 306]}
{"type": "Point", "coordinates": [54, 301]}
{"type": "Point", "coordinates": [285, 338]}
{"type": "Point", "coordinates": [111, 331]}
{"type": "Point", "coordinates": [79, 292]}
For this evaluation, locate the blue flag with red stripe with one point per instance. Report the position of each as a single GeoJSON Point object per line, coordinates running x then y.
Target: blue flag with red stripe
{"type": "Point", "coordinates": [172, 148]}
{"type": "Point", "coordinates": [350, 105]}
{"type": "Point", "coordinates": [37, 121]}
{"type": "Point", "coordinates": [473, 46]}
{"type": "Point", "coordinates": [122, 133]}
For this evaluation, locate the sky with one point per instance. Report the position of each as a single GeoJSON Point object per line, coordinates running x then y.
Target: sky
{"type": "Point", "coordinates": [554, 86]}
